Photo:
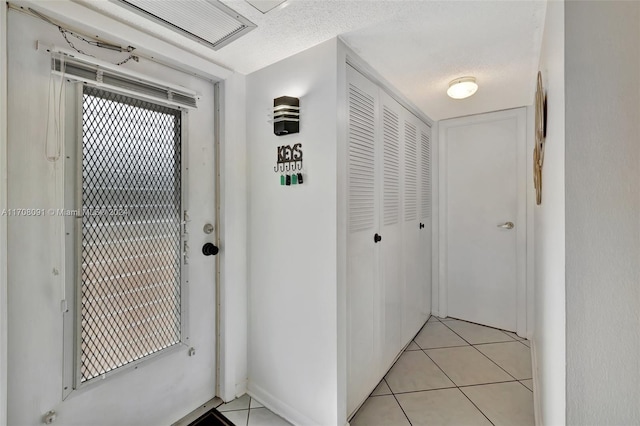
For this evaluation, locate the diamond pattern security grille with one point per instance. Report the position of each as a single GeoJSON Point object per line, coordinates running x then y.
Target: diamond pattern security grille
{"type": "Point", "coordinates": [130, 285]}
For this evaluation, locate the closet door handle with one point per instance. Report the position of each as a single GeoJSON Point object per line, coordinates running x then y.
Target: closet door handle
{"type": "Point", "coordinates": [377, 238]}
{"type": "Point", "coordinates": [422, 226]}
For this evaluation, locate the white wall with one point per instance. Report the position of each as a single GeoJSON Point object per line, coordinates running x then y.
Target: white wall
{"type": "Point", "coordinates": [3, 219]}
{"type": "Point", "coordinates": [292, 243]}
{"type": "Point", "coordinates": [602, 212]}
{"type": "Point", "coordinates": [549, 231]}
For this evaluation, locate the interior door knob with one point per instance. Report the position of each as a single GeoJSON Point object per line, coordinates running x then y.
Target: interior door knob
{"type": "Point", "coordinates": [506, 225]}
{"type": "Point", "coordinates": [377, 238]}
{"type": "Point", "coordinates": [210, 249]}
{"type": "Point", "coordinates": [421, 225]}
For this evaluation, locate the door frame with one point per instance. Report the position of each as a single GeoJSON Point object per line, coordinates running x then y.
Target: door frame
{"type": "Point", "coordinates": [524, 303]}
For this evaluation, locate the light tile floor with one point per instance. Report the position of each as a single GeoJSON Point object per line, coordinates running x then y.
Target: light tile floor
{"type": "Point", "coordinates": [455, 373]}
{"type": "Point", "coordinates": [246, 411]}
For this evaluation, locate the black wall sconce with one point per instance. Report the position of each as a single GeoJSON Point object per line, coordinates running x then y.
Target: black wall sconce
{"type": "Point", "coordinates": [286, 115]}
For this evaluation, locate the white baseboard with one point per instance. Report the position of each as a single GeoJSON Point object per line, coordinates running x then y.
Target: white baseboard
{"type": "Point", "coordinates": [241, 388]}
{"type": "Point", "coordinates": [278, 407]}
{"type": "Point", "coordinates": [537, 408]}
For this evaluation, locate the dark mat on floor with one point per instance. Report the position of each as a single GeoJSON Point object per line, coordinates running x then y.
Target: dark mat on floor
{"type": "Point", "coordinates": [212, 418]}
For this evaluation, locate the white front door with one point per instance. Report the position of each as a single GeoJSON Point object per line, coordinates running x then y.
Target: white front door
{"type": "Point", "coordinates": [121, 265]}
{"type": "Point", "coordinates": [484, 206]}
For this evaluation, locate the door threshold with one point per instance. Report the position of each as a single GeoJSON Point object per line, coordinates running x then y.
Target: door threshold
{"type": "Point", "coordinates": [198, 412]}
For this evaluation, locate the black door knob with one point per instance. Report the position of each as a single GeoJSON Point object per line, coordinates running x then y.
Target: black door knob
{"type": "Point", "coordinates": [377, 238]}
{"type": "Point", "coordinates": [421, 225]}
{"type": "Point", "coordinates": [210, 249]}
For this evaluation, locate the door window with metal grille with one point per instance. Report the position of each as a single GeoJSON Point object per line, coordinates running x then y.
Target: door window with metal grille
{"type": "Point", "coordinates": [129, 303]}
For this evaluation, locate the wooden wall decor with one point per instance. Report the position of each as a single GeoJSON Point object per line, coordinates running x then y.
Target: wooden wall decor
{"type": "Point", "coordinates": [541, 133]}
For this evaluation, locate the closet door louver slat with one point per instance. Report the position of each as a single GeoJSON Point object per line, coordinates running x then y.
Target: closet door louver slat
{"type": "Point", "coordinates": [361, 160]}
{"type": "Point", "coordinates": [426, 175]}
{"type": "Point", "coordinates": [391, 198]}
{"type": "Point", "coordinates": [411, 173]}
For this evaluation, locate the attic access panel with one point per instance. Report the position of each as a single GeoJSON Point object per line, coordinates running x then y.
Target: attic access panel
{"type": "Point", "coordinates": [206, 21]}
{"type": "Point", "coordinates": [265, 6]}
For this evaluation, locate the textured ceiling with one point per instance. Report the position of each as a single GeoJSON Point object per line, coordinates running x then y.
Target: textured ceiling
{"type": "Point", "coordinates": [418, 46]}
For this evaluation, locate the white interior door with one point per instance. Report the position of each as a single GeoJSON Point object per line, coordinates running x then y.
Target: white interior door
{"type": "Point", "coordinates": [364, 313]}
{"type": "Point", "coordinates": [483, 213]}
{"type": "Point", "coordinates": [152, 392]}
{"type": "Point", "coordinates": [424, 248]}
{"type": "Point", "coordinates": [413, 285]}
{"type": "Point", "coordinates": [388, 295]}
{"type": "Point", "coordinates": [391, 228]}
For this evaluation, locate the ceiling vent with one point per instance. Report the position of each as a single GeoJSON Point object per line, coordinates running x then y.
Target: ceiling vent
{"type": "Point", "coordinates": [206, 21]}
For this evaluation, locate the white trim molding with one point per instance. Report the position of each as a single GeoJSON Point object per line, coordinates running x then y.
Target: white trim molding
{"type": "Point", "coordinates": [537, 399]}
{"type": "Point", "coordinates": [82, 18]}
{"type": "Point", "coordinates": [233, 308]}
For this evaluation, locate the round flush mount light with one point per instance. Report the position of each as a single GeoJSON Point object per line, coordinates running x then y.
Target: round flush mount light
{"type": "Point", "coordinates": [462, 87]}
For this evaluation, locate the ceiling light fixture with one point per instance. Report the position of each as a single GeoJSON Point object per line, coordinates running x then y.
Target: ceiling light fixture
{"type": "Point", "coordinates": [462, 87]}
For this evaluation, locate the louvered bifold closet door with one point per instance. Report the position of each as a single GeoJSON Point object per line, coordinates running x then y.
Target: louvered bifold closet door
{"type": "Point", "coordinates": [425, 217]}
{"type": "Point", "coordinates": [363, 293]}
{"type": "Point", "coordinates": [391, 228]}
{"type": "Point", "coordinates": [413, 287]}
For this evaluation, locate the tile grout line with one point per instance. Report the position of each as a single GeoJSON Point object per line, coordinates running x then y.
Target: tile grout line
{"type": "Point", "coordinates": [403, 352]}
{"type": "Point", "coordinates": [520, 381]}
{"type": "Point", "coordinates": [492, 343]}
{"type": "Point", "coordinates": [398, 402]}
{"type": "Point", "coordinates": [470, 344]}
{"type": "Point", "coordinates": [402, 409]}
{"type": "Point", "coordinates": [454, 332]}
{"type": "Point", "coordinates": [249, 411]}
{"type": "Point", "coordinates": [441, 347]}
{"type": "Point", "coordinates": [495, 362]}
{"type": "Point", "coordinates": [490, 383]}
{"type": "Point", "coordinates": [427, 390]}
{"type": "Point", "coordinates": [458, 387]}
{"type": "Point", "coordinates": [440, 368]}
{"type": "Point", "coordinates": [487, 343]}
{"type": "Point", "coordinates": [478, 408]}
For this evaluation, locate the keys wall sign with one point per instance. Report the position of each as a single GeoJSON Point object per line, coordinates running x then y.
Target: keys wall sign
{"type": "Point", "coordinates": [289, 164]}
